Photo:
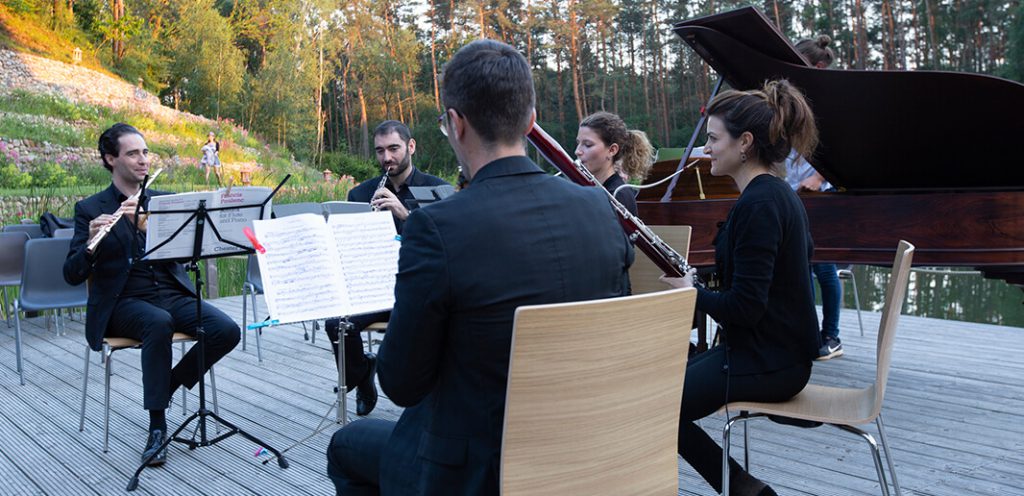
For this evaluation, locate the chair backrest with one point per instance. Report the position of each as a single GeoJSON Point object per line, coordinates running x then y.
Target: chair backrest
{"type": "Point", "coordinates": [594, 389]}
{"type": "Point", "coordinates": [12, 257]}
{"type": "Point", "coordinates": [346, 207]}
{"type": "Point", "coordinates": [252, 273]}
{"type": "Point", "coordinates": [33, 230]}
{"type": "Point", "coordinates": [286, 209]}
{"type": "Point", "coordinates": [643, 275]}
{"type": "Point", "coordinates": [894, 295]}
{"type": "Point", "coordinates": [42, 282]}
{"type": "Point", "coordinates": [64, 232]}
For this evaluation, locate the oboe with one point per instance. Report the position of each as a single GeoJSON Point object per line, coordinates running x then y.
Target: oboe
{"type": "Point", "coordinates": [102, 233]}
{"type": "Point", "coordinates": [383, 182]}
{"type": "Point", "coordinates": [664, 256]}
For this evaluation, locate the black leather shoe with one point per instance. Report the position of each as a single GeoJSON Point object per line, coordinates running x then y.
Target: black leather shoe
{"type": "Point", "coordinates": [156, 438]}
{"type": "Point", "coordinates": [366, 391]}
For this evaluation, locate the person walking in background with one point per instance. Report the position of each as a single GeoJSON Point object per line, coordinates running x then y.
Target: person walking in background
{"type": "Point", "coordinates": [801, 176]}
{"type": "Point", "coordinates": [211, 157]}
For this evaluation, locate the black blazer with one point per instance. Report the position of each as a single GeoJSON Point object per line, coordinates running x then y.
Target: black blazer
{"type": "Point", "coordinates": [110, 265]}
{"type": "Point", "coordinates": [514, 237]}
{"type": "Point", "coordinates": [766, 306]}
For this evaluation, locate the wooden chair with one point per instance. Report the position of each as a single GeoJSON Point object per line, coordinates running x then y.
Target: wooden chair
{"type": "Point", "coordinates": [593, 398]}
{"type": "Point", "coordinates": [844, 408]}
{"type": "Point", "coordinates": [110, 345]}
{"type": "Point", "coordinates": [643, 275]}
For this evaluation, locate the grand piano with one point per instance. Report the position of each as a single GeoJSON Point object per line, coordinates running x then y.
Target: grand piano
{"type": "Point", "coordinates": [930, 157]}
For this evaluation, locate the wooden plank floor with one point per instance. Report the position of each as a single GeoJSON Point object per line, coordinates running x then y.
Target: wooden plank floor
{"type": "Point", "coordinates": [953, 412]}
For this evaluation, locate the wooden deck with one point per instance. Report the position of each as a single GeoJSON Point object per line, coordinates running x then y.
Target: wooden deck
{"type": "Point", "coordinates": [953, 413]}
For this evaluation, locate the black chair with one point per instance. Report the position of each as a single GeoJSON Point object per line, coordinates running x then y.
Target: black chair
{"type": "Point", "coordinates": [64, 232]}
{"type": "Point", "coordinates": [43, 286]}
{"type": "Point", "coordinates": [346, 207]}
{"type": "Point", "coordinates": [12, 263]}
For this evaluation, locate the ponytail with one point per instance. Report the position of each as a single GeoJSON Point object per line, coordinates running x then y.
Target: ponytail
{"type": "Point", "coordinates": [817, 51]}
{"type": "Point", "coordinates": [778, 117]}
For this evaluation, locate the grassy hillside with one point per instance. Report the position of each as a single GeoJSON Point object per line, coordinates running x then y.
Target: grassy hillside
{"type": "Point", "coordinates": [25, 34]}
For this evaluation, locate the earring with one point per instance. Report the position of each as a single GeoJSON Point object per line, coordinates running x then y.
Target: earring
{"type": "Point", "coordinates": [743, 157]}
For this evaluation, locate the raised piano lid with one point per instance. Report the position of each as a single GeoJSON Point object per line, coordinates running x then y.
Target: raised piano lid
{"type": "Point", "coordinates": [879, 130]}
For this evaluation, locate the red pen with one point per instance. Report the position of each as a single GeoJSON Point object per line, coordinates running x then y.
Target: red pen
{"type": "Point", "coordinates": [252, 239]}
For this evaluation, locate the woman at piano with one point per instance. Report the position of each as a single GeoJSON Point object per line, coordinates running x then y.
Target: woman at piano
{"type": "Point", "coordinates": [614, 154]}
{"type": "Point", "coordinates": [765, 306]}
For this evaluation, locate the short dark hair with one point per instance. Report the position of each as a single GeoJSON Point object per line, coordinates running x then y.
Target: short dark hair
{"type": "Point", "coordinates": [109, 144]}
{"type": "Point", "coordinates": [388, 127]}
{"type": "Point", "coordinates": [491, 85]}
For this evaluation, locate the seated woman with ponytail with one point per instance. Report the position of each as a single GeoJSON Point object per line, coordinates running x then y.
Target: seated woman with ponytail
{"type": "Point", "coordinates": [608, 150]}
{"type": "Point", "coordinates": [762, 252]}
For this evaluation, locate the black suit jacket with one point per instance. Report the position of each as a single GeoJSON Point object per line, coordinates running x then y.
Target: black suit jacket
{"type": "Point", "coordinates": [514, 237]}
{"type": "Point", "coordinates": [110, 264]}
{"type": "Point", "coordinates": [766, 306]}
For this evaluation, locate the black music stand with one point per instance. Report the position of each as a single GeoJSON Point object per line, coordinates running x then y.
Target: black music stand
{"type": "Point", "coordinates": [200, 216]}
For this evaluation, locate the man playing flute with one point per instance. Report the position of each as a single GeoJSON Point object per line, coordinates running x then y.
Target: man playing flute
{"type": "Point", "coordinates": [145, 301]}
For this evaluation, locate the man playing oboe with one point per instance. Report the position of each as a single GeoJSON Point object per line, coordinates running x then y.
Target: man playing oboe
{"type": "Point", "coordinates": [514, 237]}
{"type": "Point", "coordinates": [394, 146]}
{"type": "Point", "coordinates": [139, 300]}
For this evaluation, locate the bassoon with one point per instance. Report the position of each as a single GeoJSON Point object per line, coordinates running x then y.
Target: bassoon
{"type": "Point", "coordinates": [664, 256]}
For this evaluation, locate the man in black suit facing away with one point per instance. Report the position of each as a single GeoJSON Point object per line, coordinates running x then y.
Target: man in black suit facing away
{"type": "Point", "coordinates": [394, 145]}
{"type": "Point", "coordinates": [144, 301]}
{"type": "Point", "coordinates": [515, 236]}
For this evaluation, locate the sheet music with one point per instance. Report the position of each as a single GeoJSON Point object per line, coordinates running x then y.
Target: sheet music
{"type": "Point", "coordinates": [162, 226]}
{"type": "Point", "coordinates": [302, 273]}
{"type": "Point", "coordinates": [229, 223]}
{"type": "Point", "coordinates": [368, 249]}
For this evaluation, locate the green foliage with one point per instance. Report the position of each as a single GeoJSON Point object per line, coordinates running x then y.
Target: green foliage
{"type": "Point", "coordinates": [50, 175]}
{"type": "Point", "coordinates": [1014, 68]}
{"type": "Point", "coordinates": [344, 164]}
{"type": "Point", "coordinates": [207, 69]}
{"type": "Point", "coordinates": [12, 177]}
{"type": "Point", "coordinates": [26, 102]}
{"type": "Point", "coordinates": [20, 6]}
{"type": "Point", "coordinates": [18, 127]}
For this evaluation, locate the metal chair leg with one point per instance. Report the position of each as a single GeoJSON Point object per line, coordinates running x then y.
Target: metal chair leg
{"type": "Point", "coordinates": [7, 308]}
{"type": "Point", "coordinates": [316, 327]}
{"type": "Point", "coordinates": [17, 342]}
{"type": "Point", "coordinates": [106, 397]}
{"type": "Point", "coordinates": [245, 289]}
{"type": "Point", "coordinates": [85, 388]}
{"type": "Point", "coordinates": [746, 446]}
{"type": "Point", "coordinates": [874, 452]}
{"type": "Point", "coordinates": [184, 392]}
{"type": "Point", "coordinates": [305, 333]}
{"type": "Point", "coordinates": [856, 301]}
{"type": "Point", "coordinates": [888, 455]}
{"type": "Point", "coordinates": [726, 431]}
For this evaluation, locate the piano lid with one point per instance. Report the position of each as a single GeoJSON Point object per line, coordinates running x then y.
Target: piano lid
{"type": "Point", "coordinates": [879, 130]}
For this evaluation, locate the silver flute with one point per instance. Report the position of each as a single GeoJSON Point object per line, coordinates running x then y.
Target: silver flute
{"type": "Point", "coordinates": [102, 233]}
{"type": "Point", "coordinates": [383, 182]}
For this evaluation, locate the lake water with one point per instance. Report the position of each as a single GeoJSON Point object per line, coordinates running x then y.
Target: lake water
{"type": "Point", "coordinates": [967, 297]}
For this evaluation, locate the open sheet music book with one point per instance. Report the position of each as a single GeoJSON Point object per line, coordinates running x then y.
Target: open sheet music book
{"type": "Point", "coordinates": [229, 223]}
{"type": "Point", "coordinates": [315, 269]}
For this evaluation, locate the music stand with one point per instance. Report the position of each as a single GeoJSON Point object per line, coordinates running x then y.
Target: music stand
{"type": "Point", "coordinates": [200, 216]}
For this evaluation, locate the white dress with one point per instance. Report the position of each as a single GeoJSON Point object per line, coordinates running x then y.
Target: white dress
{"type": "Point", "coordinates": [210, 157]}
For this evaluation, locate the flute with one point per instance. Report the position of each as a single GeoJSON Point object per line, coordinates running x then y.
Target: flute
{"type": "Point", "coordinates": [383, 182]}
{"type": "Point", "coordinates": [102, 233]}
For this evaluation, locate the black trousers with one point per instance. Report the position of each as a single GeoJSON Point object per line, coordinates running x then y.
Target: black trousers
{"type": "Point", "coordinates": [704, 392]}
{"type": "Point", "coordinates": [356, 364]}
{"type": "Point", "coordinates": [153, 319]}
{"type": "Point", "coordinates": [354, 456]}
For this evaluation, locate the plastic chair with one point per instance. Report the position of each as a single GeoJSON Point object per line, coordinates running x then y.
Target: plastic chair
{"type": "Point", "coordinates": [43, 286]}
{"type": "Point", "coordinates": [64, 232]}
{"type": "Point", "coordinates": [110, 345]}
{"type": "Point", "coordinates": [252, 286]}
{"type": "Point", "coordinates": [34, 231]}
{"type": "Point", "coordinates": [848, 275]}
{"type": "Point", "coordinates": [346, 207]}
{"type": "Point", "coordinates": [287, 209]}
{"type": "Point", "coordinates": [578, 378]}
{"type": "Point", "coordinates": [844, 408]}
{"type": "Point", "coordinates": [12, 263]}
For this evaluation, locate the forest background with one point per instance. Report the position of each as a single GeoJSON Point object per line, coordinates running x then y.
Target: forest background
{"type": "Point", "coordinates": [315, 76]}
